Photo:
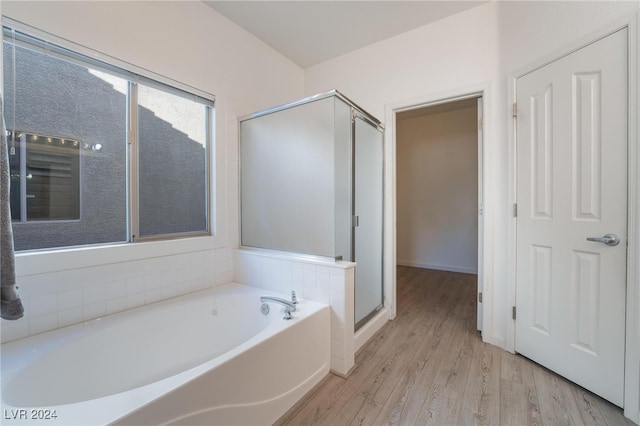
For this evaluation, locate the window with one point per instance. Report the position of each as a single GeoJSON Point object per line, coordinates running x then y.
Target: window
{"type": "Point", "coordinates": [171, 163]}
{"type": "Point", "coordinates": [99, 154]}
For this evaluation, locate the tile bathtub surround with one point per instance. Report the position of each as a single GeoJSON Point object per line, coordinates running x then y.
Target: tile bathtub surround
{"type": "Point", "coordinates": [322, 281]}
{"type": "Point", "coordinates": [68, 297]}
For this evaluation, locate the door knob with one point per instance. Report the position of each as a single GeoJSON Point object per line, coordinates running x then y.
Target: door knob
{"type": "Point", "coordinates": [609, 239]}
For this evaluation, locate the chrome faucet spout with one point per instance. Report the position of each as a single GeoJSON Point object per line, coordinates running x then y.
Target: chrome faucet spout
{"type": "Point", "coordinates": [288, 306]}
{"type": "Point", "coordinates": [283, 302]}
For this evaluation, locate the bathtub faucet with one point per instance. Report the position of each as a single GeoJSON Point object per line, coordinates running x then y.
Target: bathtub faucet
{"type": "Point", "coordinates": [288, 306]}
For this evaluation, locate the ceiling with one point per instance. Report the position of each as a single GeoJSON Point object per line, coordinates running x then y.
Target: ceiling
{"type": "Point", "coordinates": [311, 32]}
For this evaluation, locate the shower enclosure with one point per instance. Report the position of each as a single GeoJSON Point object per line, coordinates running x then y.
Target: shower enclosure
{"type": "Point", "coordinates": [311, 182]}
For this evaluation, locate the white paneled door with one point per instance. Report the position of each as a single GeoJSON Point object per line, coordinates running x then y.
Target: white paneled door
{"type": "Point", "coordinates": [571, 132]}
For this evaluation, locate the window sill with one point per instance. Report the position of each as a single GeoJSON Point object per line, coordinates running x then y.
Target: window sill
{"type": "Point", "coordinates": [47, 261]}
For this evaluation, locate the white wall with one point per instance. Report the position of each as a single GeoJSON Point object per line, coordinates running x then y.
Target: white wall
{"type": "Point", "coordinates": [437, 190]}
{"type": "Point", "coordinates": [190, 43]}
{"type": "Point", "coordinates": [480, 46]}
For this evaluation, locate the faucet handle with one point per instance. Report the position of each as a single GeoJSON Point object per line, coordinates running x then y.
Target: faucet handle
{"type": "Point", "coordinates": [287, 313]}
{"type": "Point", "coordinates": [294, 298]}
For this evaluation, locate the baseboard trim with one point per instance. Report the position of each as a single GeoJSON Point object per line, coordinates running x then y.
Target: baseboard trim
{"type": "Point", "coordinates": [367, 331]}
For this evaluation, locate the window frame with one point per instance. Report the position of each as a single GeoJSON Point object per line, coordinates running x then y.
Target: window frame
{"type": "Point", "coordinates": [48, 44]}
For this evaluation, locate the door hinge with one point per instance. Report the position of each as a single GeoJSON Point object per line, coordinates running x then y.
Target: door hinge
{"type": "Point", "coordinates": [515, 210]}
{"type": "Point", "coordinates": [480, 124]}
{"type": "Point", "coordinates": [513, 312]}
{"type": "Point", "coordinates": [515, 109]}
{"type": "Point", "coordinates": [480, 297]}
{"type": "Point", "coordinates": [355, 221]}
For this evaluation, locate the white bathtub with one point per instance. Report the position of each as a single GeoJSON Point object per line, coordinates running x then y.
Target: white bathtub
{"type": "Point", "coordinates": [209, 357]}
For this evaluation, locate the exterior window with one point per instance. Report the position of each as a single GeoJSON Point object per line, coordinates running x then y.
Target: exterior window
{"type": "Point", "coordinates": [99, 154]}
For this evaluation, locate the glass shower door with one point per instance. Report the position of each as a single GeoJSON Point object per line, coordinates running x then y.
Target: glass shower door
{"type": "Point", "coordinates": [368, 219]}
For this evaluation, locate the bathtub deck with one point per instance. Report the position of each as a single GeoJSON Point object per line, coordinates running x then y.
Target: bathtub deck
{"type": "Point", "coordinates": [430, 366]}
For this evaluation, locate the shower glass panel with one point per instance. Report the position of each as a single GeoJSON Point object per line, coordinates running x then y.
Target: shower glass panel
{"type": "Point", "coordinates": [287, 180]}
{"type": "Point", "coordinates": [368, 208]}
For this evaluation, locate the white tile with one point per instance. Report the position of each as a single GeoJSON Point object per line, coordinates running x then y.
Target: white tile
{"type": "Point", "coordinates": [223, 266]}
{"type": "Point", "coordinates": [170, 291]}
{"type": "Point", "coordinates": [14, 330]}
{"type": "Point", "coordinates": [157, 265]}
{"type": "Point", "coordinates": [151, 296]}
{"type": "Point", "coordinates": [275, 277]}
{"type": "Point", "coordinates": [94, 293]}
{"type": "Point", "coordinates": [114, 305]}
{"type": "Point", "coordinates": [337, 299]}
{"type": "Point", "coordinates": [173, 276]}
{"type": "Point", "coordinates": [223, 276]}
{"type": "Point", "coordinates": [258, 271]}
{"type": "Point", "coordinates": [191, 270]}
{"type": "Point", "coordinates": [337, 332]}
{"type": "Point", "coordinates": [350, 273]}
{"type": "Point", "coordinates": [337, 348]}
{"type": "Point", "coordinates": [123, 271]}
{"type": "Point", "coordinates": [134, 300]}
{"type": "Point", "coordinates": [183, 288]}
{"type": "Point", "coordinates": [153, 280]}
{"type": "Point", "coordinates": [338, 272]}
{"type": "Point", "coordinates": [70, 316]}
{"type": "Point", "coordinates": [43, 304]}
{"type": "Point", "coordinates": [199, 284]}
{"type": "Point", "coordinates": [338, 317]}
{"type": "Point", "coordinates": [309, 278]}
{"type": "Point", "coordinates": [349, 344]}
{"type": "Point", "coordinates": [42, 323]}
{"type": "Point", "coordinates": [322, 269]}
{"type": "Point", "coordinates": [286, 273]}
{"type": "Point", "coordinates": [38, 285]}
{"type": "Point", "coordinates": [135, 285]}
{"type": "Point", "coordinates": [240, 268]}
{"type": "Point", "coordinates": [348, 364]}
{"type": "Point", "coordinates": [298, 273]}
{"type": "Point", "coordinates": [349, 309]}
{"type": "Point", "coordinates": [309, 293]}
{"type": "Point", "coordinates": [322, 294]}
{"type": "Point", "coordinates": [349, 317]}
{"type": "Point", "coordinates": [337, 284]}
{"type": "Point", "coordinates": [94, 310]}
{"type": "Point", "coordinates": [115, 289]}
{"type": "Point", "coordinates": [70, 299]}
{"type": "Point", "coordinates": [323, 280]}
{"type": "Point", "coordinates": [339, 365]}
{"type": "Point", "coordinates": [28, 286]}
{"type": "Point", "coordinates": [299, 289]}
{"type": "Point", "coordinates": [190, 286]}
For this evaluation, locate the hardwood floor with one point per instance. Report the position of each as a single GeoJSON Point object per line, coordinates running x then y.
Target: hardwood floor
{"type": "Point", "coordinates": [430, 366]}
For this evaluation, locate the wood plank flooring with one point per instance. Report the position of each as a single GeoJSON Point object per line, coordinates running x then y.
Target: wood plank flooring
{"type": "Point", "coordinates": [430, 367]}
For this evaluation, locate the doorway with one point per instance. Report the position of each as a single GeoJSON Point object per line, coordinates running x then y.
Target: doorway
{"type": "Point", "coordinates": [439, 199]}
